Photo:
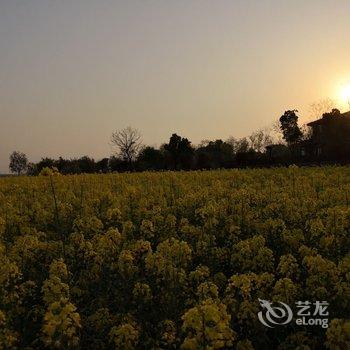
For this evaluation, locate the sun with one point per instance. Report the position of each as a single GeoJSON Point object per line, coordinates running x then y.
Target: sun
{"type": "Point", "coordinates": [345, 93]}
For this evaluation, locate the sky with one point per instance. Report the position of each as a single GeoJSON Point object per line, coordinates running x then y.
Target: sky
{"type": "Point", "coordinates": [72, 72]}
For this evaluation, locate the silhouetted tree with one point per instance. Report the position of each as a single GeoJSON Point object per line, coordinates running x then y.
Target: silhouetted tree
{"type": "Point", "coordinates": [31, 169]}
{"type": "Point", "coordinates": [181, 152]}
{"type": "Point", "coordinates": [18, 162]}
{"type": "Point", "coordinates": [289, 126]}
{"type": "Point", "coordinates": [128, 144]}
{"type": "Point", "coordinates": [249, 158]}
{"type": "Point", "coordinates": [150, 159]}
{"type": "Point", "coordinates": [214, 154]}
{"type": "Point", "coordinates": [102, 165]}
{"type": "Point", "coordinates": [63, 166]}
{"type": "Point", "coordinates": [86, 164]}
{"type": "Point", "coordinates": [118, 164]}
{"type": "Point", "coordinates": [45, 163]}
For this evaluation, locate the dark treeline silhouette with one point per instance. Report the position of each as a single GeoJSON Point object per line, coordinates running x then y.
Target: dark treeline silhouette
{"type": "Point", "coordinates": [177, 154]}
{"type": "Point", "coordinates": [326, 140]}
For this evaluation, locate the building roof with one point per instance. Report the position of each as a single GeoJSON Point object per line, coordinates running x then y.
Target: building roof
{"type": "Point", "coordinates": [327, 118]}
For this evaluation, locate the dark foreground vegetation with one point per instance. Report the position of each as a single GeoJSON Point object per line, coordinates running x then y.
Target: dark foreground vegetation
{"type": "Point", "coordinates": [173, 260]}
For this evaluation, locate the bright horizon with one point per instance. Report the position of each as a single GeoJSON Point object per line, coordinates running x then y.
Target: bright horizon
{"type": "Point", "coordinates": [72, 72]}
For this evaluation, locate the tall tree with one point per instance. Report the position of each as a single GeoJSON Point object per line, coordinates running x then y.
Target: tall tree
{"type": "Point", "coordinates": [18, 162]}
{"type": "Point", "coordinates": [289, 126]}
{"type": "Point", "coordinates": [128, 143]}
{"type": "Point", "coordinates": [181, 151]}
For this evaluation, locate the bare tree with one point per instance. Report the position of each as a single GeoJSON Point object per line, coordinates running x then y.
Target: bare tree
{"type": "Point", "coordinates": [276, 132]}
{"type": "Point", "coordinates": [318, 108]}
{"type": "Point", "coordinates": [238, 145]}
{"type": "Point", "coordinates": [18, 162]}
{"type": "Point", "coordinates": [128, 143]}
{"type": "Point", "coordinates": [306, 131]}
{"type": "Point", "coordinates": [203, 143]}
{"type": "Point", "coordinates": [259, 140]}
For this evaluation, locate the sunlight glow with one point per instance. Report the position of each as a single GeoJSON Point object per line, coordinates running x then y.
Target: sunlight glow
{"type": "Point", "coordinates": [345, 93]}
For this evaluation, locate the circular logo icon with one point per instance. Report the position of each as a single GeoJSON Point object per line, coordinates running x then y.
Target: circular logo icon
{"type": "Point", "coordinates": [274, 315]}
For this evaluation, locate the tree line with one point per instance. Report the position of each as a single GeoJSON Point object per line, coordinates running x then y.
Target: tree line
{"type": "Point", "coordinates": [177, 154]}
{"type": "Point", "coordinates": [280, 145]}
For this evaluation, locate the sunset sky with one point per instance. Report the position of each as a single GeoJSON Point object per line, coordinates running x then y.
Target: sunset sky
{"type": "Point", "coordinates": [73, 71]}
